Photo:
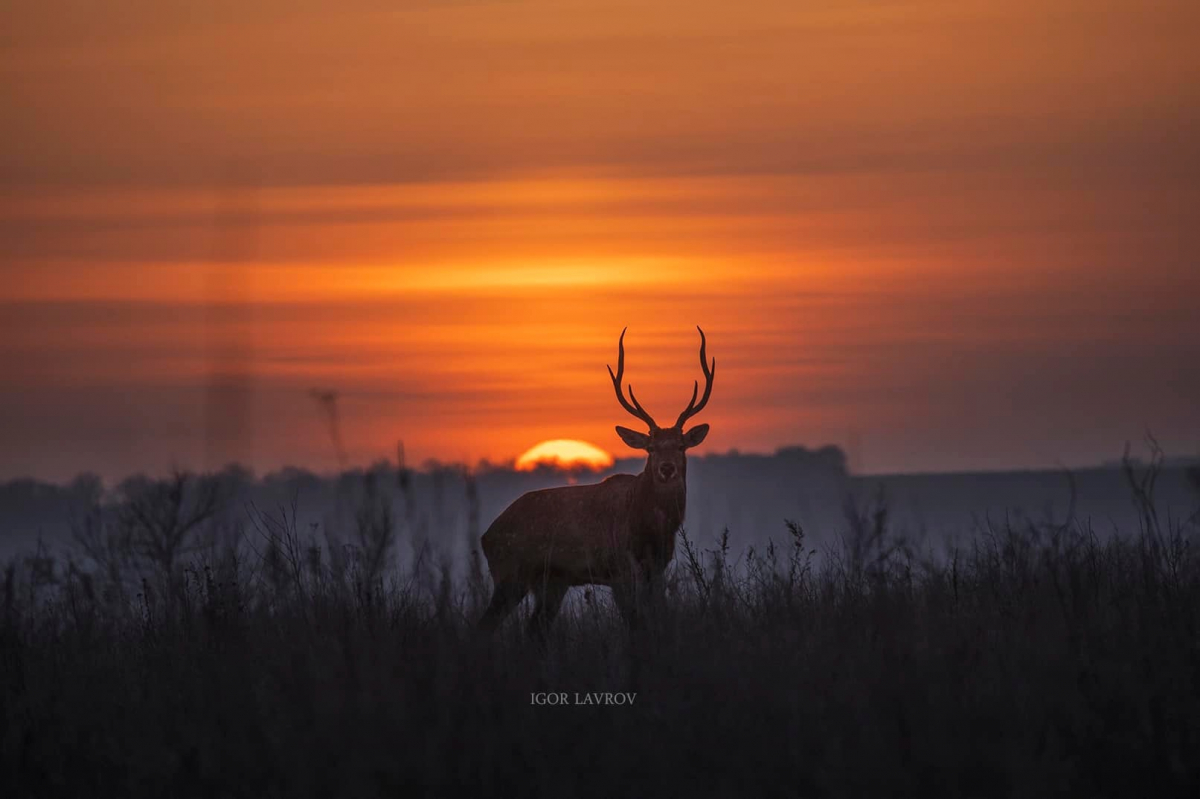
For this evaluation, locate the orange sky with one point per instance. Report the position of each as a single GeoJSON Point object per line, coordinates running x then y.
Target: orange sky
{"type": "Point", "coordinates": [955, 234]}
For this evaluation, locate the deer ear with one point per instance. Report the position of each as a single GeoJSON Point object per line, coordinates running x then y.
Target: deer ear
{"type": "Point", "coordinates": [633, 438]}
{"type": "Point", "coordinates": [694, 436]}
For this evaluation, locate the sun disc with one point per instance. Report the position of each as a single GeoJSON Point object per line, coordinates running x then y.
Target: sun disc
{"type": "Point", "coordinates": [566, 454]}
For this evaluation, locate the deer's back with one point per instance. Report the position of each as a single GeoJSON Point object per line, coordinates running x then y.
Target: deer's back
{"type": "Point", "coordinates": [577, 534]}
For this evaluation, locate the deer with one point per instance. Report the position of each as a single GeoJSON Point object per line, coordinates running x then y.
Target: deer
{"type": "Point", "coordinates": [618, 533]}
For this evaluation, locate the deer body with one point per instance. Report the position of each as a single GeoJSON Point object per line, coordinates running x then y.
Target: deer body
{"type": "Point", "coordinates": [618, 533]}
{"type": "Point", "coordinates": [591, 534]}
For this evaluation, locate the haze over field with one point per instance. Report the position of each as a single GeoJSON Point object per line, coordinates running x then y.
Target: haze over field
{"type": "Point", "coordinates": [943, 235]}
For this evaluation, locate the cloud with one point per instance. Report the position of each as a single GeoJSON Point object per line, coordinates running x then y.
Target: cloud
{"type": "Point", "coordinates": [891, 216]}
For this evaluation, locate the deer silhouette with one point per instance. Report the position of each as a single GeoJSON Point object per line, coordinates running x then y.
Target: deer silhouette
{"type": "Point", "coordinates": [619, 532]}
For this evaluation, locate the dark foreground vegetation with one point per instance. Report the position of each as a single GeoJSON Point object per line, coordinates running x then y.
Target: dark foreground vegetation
{"type": "Point", "coordinates": [1040, 659]}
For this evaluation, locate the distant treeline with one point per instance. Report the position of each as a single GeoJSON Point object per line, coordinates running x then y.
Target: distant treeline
{"type": "Point", "coordinates": [441, 509]}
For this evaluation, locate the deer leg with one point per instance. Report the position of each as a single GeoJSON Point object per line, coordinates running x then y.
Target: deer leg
{"type": "Point", "coordinates": [505, 597]}
{"type": "Point", "coordinates": [656, 591]}
{"type": "Point", "coordinates": [625, 596]}
{"type": "Point", "coordinates": [549, 599]}
{"type": "Point", "coordinates": [640, 595]}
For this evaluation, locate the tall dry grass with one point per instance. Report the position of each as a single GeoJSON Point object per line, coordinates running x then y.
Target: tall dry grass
{"type": "Point", "coordinates": [1040, 659]}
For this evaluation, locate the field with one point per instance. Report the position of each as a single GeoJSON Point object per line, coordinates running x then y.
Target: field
{"type": "Point", "coordinates": [173, 660]}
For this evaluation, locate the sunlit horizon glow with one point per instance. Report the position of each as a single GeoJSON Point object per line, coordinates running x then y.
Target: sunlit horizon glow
{"type": "Point", "coordinates": [915, 231]}
{"type": "Point", "coordinates": [564, 454]}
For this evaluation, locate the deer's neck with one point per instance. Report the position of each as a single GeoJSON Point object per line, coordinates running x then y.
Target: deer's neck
{"type": "Point", "coordinates": [657, 515]}
{"type": "Point", "coordinates": [663, 507]}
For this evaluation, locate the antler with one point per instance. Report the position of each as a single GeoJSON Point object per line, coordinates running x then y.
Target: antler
{"type": "Point", "coordinates": [692, 409]}
{"type": "Point", "coordinates": [636, 408]}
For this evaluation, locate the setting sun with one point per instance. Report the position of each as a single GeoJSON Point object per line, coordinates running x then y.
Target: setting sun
{"type": "Point", "coordinates": [565, 454]}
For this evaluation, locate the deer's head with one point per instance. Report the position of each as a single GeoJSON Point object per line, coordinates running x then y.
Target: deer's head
{"type": "Point", "coordinates": [667, 446]}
